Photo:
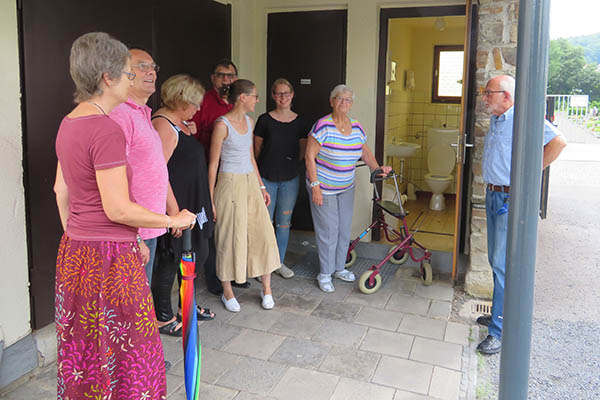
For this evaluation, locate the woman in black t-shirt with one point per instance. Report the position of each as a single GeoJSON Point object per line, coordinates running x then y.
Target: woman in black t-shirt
{"type": "Point", "coordinates": [279, 143]}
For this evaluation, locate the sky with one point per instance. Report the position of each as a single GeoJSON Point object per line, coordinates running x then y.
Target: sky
{"type": "Point", "coordinates": [574, 18]}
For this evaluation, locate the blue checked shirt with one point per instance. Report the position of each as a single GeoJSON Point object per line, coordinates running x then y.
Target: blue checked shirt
{"type": "Point", "coordinates": [497, 150]}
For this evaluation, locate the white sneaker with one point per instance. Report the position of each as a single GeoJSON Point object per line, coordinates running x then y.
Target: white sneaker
{"type": "Point", "coordinates": [345, 275]}
{"type": "Point", "coordinates": [267, 300]}
{"type": "Point", "coordinates": [284, 271]}
{"type": "Point", "coordinates": [231, 304]}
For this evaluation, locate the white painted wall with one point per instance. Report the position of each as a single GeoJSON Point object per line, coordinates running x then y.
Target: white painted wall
{"type": "Point", "coordinates": [14, 281]}
{"type": "Point", "coordinates": [249, 51]}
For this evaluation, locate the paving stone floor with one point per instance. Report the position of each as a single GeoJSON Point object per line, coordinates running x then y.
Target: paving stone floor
{"type": "Point", "coordinates": [396, 344]}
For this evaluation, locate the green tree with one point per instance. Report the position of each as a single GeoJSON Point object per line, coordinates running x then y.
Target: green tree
{"type": "Point", "coordinates": [568, 72]}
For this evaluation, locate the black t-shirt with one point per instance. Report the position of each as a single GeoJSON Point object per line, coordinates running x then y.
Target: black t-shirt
{"type": "Point", "coordinates": [279, 158]}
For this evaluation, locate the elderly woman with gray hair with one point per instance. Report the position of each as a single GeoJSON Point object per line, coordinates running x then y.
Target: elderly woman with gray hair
{"type": "Point", "coordinates": [335, 143]}
{"type": "Point", "coordinates": [108, 341]}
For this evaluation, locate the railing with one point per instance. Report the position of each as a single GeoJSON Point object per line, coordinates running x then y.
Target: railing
{"type": "Point", "coordinates": [577, 109]}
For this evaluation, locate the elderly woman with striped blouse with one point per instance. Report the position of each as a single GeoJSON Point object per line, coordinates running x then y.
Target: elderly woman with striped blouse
{"type": "Point", "coordinates": [335, 143]}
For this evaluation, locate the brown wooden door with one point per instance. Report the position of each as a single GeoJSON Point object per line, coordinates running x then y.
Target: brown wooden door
{"type": "Point", "coordinates": [48, 29]}
{"type": "Point", "coordinates": [309, 50]}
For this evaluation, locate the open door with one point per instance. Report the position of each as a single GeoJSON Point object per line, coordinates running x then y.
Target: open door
{"type": "Point", "coordinates": [465, 132]}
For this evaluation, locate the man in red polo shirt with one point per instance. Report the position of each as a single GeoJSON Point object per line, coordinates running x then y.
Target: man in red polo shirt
{"type": "Point", "coordinates": [215, 102]}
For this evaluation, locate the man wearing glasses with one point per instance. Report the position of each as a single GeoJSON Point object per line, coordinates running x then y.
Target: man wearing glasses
{"type": "Point", "coordinates": [215, 105]}
{"type": "Point", "coordinates": [215, 102]}
{"type": "Point", "coordinates": [149, 183]}
{"type": "Point", "coordinates": [498, 97]}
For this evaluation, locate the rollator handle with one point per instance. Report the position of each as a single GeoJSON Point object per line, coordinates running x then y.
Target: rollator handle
{"type": "Point", "coordinates": [376, 175]}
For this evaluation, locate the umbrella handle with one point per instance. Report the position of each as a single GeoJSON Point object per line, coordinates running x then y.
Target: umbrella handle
{"type": "Point", "coordinates": [187, 240]}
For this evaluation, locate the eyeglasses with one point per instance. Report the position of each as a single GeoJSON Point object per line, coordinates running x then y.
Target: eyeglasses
{"type": "Point", "coordinates": [252, 94]}
{"type": "Point", "coordinates": [130, 75]}
{"type": "Point", "coordinates": [146, 67]}
{"type": "Point", "coordinates": [345, 100]}
{"type": "Point", "coordinates": [195, 105]}
{"type": "Point", "coordinates": [222, 75]}
{"type": "Point", "coordinates": [283, 95]}
{"type": "Point", "coordinates": [486, 92]}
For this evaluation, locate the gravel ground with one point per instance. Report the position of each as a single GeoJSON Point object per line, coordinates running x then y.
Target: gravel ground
{"type": "Point", "coordinates": [565, 363]}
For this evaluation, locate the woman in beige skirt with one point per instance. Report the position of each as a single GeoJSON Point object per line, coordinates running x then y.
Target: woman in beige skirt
{"type": "Point", "coordinates": [244, 235]}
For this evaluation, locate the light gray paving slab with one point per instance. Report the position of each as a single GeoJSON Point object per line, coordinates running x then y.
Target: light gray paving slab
{"type": "Point", "coordinates": [402, 286]}
{"type": "Point", "coordinates": [342, 291]}
{"type": "Point", "coordinates": [216, 334]}
{"type": "Point", "coordinates": [250, 396]}
{"type": "Point", "coordinates": [255, 318]}
{"type": "Point", "coordinates": [421, 326]}
{"type": "Point", "coordinates": [445, 384]}
{"type": "Point", "coordinates": [255, 344]}
{"type": "Point", "coordinates": [408, 304]}
{"type": "Point", "coordinates": [375, 318]}
{"type": "Point", "coordinates": [457, 333]}
{"type": "Point", "coordinates": [403, 374]}
{"type": "Point", "coordinates": [297, 304]}
{"type": "Point", "coordinates": [437, 291]}
{"type": "Point", "coordinates": [207, 392]}
{"type": "Point", "coordinates": [214, 364]}
{"type": "Point", "coordinates": [301, 353]}
{"type": "Point", "coordinates": [296, 325]}
{"type": "Point", "coordinates": [390, 343]}
{"type": "Point", "coordinates": [350, 389]}
{"type": "Point", "coordinates": [174, 383]}
{"type": "Point", "coordinates": [172, 348]}
{"type": "Point", "coordinates": [376, 300]}
{"type": "Point", "coordinates": [304, 384]}
{"type": "Point", "coordinates": [440, 309]}
{"type": "Point", "coordinates": [403, 395]}
{"type": "Point", "coordinates": [336, 310]}
{"type": "Point", "coordinates": [340, 333]}
{"type": "Point", "coordinates": [350, 363]}
{"type": "Point", "coordinates": [42, 387]}
{"type": "Point", "coordinates": [435, 352]}
{"type": "Point", "coordinates": [252, 375]}
{"type": "Point", "coordinates": [298, 286]}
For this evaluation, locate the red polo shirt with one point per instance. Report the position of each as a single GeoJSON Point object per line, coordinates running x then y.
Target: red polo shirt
{"type": "Point", "coordinates": [212, 108]}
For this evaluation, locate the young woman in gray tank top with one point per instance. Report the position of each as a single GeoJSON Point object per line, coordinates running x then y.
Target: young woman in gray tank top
{"type": "Point", "coordinates": [244, 235]}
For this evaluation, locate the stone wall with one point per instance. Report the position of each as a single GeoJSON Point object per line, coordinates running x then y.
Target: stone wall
{"type": "Point", "coordinates": [496, 55]}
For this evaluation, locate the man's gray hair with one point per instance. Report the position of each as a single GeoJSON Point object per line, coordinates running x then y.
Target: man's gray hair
{"type": "Point", "coordinates": [93, 55]}
{"type": "Point", "coordinates": [339, 89]}
{"type": "Point", "coordinates": [507, 83]}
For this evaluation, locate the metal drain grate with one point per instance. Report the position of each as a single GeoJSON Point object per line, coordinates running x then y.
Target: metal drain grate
{"type": "Point", "coordinates": [481, 307]}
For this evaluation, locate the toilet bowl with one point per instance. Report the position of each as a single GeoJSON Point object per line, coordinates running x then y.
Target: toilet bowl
{"type": "Point", "coordinates": [440, 161]}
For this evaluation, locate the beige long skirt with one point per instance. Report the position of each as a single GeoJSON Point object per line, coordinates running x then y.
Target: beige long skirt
{"type": "Point", "coordinates": [244, 234]}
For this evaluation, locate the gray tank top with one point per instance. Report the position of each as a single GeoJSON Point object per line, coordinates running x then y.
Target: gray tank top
{"type": "Point", "coordinates": [235, 152]}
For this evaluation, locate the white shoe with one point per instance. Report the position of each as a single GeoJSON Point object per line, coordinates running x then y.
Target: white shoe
{"type": "Point", "coordinates": [267, 300]}
{"type": "Point", "coordinates": [284, 271]}
{"type": "Point", "coordinates": [231, 304]}
{"type": "Point", "coordinates": [345, 275]}
{"type": "Point", "coordinates": [326, 286]}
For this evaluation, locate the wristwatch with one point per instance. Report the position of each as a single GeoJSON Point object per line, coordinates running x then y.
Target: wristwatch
{"type": "Point", "coordinates": [315, 183]}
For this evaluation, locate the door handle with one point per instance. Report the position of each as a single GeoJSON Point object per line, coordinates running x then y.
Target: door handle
{"type": "Point", "coordinates": [460, 158]}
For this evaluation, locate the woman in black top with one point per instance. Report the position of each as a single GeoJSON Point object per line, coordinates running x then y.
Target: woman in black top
{"type": "Point", "coordinates": [181, 96]}
{"type": "Point", "coordinates": [279, 143]}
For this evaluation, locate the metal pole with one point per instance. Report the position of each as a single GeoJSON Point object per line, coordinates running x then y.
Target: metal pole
{"type": "Point", "coordinates": [532, 69]}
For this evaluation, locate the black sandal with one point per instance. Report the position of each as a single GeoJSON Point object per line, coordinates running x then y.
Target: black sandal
{"type": "Point", "coordinates": [201, 315]}
{"type": "Point", "coordinates": [171, 329]}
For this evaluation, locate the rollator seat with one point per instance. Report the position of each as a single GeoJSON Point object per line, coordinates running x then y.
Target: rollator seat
{"type": "Point", "coordinates": [391, 208]}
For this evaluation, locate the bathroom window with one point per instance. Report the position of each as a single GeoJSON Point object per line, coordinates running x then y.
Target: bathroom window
{"type": "Point", "coordinates": [447, 74]}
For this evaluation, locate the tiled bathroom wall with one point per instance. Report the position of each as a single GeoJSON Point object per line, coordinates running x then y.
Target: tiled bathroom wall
{"type": "Point", "coordinates": [410, 114]}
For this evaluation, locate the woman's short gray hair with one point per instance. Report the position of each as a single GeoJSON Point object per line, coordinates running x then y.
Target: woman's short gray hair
{"type": "Point", "coordinates": [92, 55]}
{"type": "Point", "coordinates": [339, 89]}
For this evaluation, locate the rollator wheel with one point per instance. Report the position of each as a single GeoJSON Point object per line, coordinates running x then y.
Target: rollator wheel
{"type": "Point", "coordinates": [365, 286]}
{"type": "Point", "coordinates": [351, 258]}
{"type": "Point", "coordinates": [399, 257]}
{"type": "Point", "coordinates": [426, 273]}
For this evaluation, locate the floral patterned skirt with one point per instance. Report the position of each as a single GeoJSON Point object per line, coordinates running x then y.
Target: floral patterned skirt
{"type": "Point", "coordinates": [108, 341]}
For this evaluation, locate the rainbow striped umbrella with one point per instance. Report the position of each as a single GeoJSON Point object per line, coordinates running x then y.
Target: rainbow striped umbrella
{"type": "Point", "coordinates": [192, 350]}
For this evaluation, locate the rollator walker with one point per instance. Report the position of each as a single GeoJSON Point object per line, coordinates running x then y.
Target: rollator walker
{"type": "Point", "coordinates": [405, 245]}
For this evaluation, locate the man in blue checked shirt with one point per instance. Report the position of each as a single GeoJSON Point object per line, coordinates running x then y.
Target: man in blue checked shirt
{"type": "Point", "coordinates": [498, 97]}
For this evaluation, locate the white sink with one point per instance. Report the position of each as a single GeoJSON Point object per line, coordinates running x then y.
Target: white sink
{"type": "Point", "coordinates": [402, 149]}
